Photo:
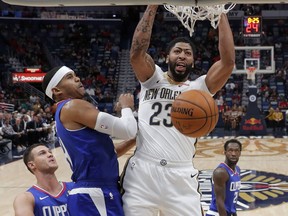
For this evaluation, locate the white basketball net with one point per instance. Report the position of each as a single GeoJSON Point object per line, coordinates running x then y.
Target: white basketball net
{"type": "Point", "coordinates": [188, 15]}
{"type": "Point", "coordinates": [251, 71]}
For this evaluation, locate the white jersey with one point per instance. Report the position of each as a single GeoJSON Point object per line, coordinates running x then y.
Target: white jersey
{"type": "Point", "coordinates": [157, 136]}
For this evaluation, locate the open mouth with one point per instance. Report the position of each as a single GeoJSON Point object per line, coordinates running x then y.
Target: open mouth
{"type": "Point", "coordinates": [180, 67]}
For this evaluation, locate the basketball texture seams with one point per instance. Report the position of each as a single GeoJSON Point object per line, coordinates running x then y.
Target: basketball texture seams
{"type": "Point", "coordinates": [194, 113]}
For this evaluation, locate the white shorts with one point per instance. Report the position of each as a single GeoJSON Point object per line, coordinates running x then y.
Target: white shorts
{"type": "Point", "coordinates": [155, 187]}
{"type": "Point", "coordinates": [212, 213]}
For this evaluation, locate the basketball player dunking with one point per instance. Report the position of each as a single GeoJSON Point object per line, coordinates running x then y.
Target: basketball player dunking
{"type": "Point", "coordinates": [160, 177]}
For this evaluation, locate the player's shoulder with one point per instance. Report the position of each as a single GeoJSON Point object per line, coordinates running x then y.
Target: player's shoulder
{"type": "Point", "coordinates": [198, 83]}
{"type": "Point", "coordinates": [76, 104]}
{"type": "Point", "coordinates": [219, 169]}
{"type": "Point", "coordinates": [220, 172]}
{"type": "Point", "coordinates": [26, 197]}
{"type": "Point", "coordinates": [24, 204]}
{"type": "Point", "coordinates": [157, 75]}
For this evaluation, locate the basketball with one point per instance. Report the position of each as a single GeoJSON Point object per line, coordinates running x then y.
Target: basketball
{"type": "Point", "coordinates": [194, 113]}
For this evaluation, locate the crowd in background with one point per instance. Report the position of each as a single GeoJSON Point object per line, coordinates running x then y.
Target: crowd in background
{"type": "Point", "coordinates": [93, 50]}
{"type": "Point", "coordinates": [31, 122]}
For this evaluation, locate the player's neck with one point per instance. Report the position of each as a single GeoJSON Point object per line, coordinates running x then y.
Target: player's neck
{"type": "Point", "coordinates": [171, 80]}
{"type": "Point", "coordinates": [231, 166]}
{"type": "Point", "coordinates": [49, 184]}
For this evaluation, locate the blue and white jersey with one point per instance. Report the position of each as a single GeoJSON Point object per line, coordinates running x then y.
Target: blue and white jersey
{"type": "Point", "coordinates": [49, 205]}
{"type": "Point", "coordinates": [91, 154]}
{"type": "Point", "coordinates": [232, 189]}
{"type": "Point", "coordinates": [157, 137]}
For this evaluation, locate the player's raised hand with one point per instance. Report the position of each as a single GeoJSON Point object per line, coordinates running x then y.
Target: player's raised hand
{"type": "Point", "coordinates": [126, 100]}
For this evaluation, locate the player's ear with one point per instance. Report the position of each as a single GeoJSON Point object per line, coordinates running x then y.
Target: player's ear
{"type": "Point", "coordinates": [56, 91]}
{"type": "Point", "coordinates": [167, 57]}
{"type": "Point", "coordinates": [31, 165]}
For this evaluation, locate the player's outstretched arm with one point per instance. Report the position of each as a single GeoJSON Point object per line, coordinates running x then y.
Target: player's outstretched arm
{"type": "Point", "coordinates": [221, 70]}
{"type": "Point", "coordinates": [142, 63]}
{"type": "Point", "coordinates": [80, 113]}
{"type": "Point", "coordinates": [220, 177]}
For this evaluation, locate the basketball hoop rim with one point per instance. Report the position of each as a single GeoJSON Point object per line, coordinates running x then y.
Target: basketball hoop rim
{"type": "Point", "coordinates": [251, 69]}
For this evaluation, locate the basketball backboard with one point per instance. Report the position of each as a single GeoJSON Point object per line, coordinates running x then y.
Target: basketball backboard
{"type": "Point", "coordinates": [61, 3]}
{"type": "Point", "coordinates": [259, 57]}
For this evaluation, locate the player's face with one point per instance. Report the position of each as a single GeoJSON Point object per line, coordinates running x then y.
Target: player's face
{"type": "Point", "coordinates": [180, 61]}
{"type": "Point", "coordinates": [71, 86]}
{"type": "Point", "coordinates": [43, 160]}
{"type": "Point", "coordinates": [232, 153]}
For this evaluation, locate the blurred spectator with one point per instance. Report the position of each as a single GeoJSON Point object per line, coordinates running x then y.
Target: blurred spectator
{"type": "Point", "coordinates": [34, 129]}
{"type": "Point", "coordinates": [234, 117]}
{"type": "Point", "coordinates": [277, 118]}
{"type": "Point", "coordinates": [226, 117]}
{"type": "Point", "coordinates": [9, 133]}
{"type": "Point", "coordinates": [219, 100]}
{"type": "Point", "coordinates": [24, 121]}
{"type": "Point", "coordinates": [33, 98]}
{"type": "Point", "coordinates": [230, 86]}
{"type": "Point", "coordinates": [283, 103]}
{"type": "Point", "coordinates": [161, 59]}
{"type": "Point", "coordinates": [18, 127]}
{"type": "Point", "coordinates": [269, 117]}
{"type": "Point", "coordinates": [90, 90]}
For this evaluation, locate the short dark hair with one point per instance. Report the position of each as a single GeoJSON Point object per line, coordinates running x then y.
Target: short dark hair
{"type": "Point", "coordinates": [232, 141]}
{"type": "Point", "coordinates": [49, 76]}
{"type": "Point", "coordinates": [172, 43]}
{"type": "Point", "coordinates": [27, 157]}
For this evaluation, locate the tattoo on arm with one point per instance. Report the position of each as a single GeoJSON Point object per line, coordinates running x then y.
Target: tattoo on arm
{"type": "Point", "coordinates": [143, 32]}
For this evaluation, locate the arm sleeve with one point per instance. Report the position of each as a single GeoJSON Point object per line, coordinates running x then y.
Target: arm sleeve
{"type": "Point", "coordinates": [124, 127]}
